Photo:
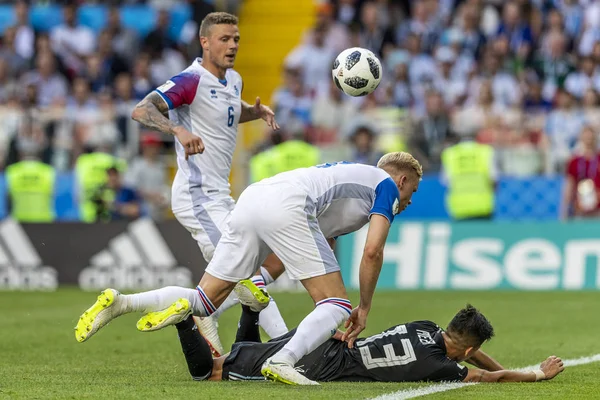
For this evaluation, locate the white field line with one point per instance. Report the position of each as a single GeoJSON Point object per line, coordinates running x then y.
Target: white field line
{"type": "Point", "coordinates": [443, 387]}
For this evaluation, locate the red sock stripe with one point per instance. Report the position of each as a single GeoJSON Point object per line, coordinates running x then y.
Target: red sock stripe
{"type": "Point", "coordinates": [259, 282]}
{"type": "Point", "coordinates": [208, 306]}
{"type": "Point", "coordinates": [342, 303]}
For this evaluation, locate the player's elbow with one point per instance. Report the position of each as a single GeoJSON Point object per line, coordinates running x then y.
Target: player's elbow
{"type": "Point", "coordinates": [373, 253]}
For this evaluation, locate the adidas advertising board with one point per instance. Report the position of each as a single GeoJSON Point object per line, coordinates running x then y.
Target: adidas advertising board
{"type": "Point", "coordinates": [135, 255]}
{"type": "Point", "coordinates": [143, 254]}
{"type": "Point", "coordinates": [21, 266]}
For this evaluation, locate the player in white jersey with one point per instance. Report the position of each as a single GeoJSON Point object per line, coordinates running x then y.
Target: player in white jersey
{"type": "Point", "coordinates": [295, 215]}
{"type": "Point", "coordinates": [204, 107]}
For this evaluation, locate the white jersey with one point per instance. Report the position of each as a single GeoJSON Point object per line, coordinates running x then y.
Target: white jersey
{"type": "Point", "coordinates": [344, 195]}
{"type": "Point", "coordinates": [210, 108]}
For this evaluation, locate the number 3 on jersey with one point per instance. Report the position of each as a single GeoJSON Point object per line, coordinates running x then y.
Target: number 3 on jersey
{"type": "Point", "coordinates": [230, 116]}
{"type": "Point", "coordinates": [390, 358]}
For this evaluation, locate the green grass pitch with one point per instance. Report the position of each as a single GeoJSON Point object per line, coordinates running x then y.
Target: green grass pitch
{"type": "Point", "coordinates": [40, 359]}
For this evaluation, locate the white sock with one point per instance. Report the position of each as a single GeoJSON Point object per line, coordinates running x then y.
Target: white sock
{"type": "Point", "coordinates": [315, 329]}
{"type": "Point", "coordinates": [267, 278]}
{"type": "Point", "coordinates": [159, 299]}
{"type": "Point", "coordinates": [229, 302]}
{"type": "Point", "coordinates": [271, 321]}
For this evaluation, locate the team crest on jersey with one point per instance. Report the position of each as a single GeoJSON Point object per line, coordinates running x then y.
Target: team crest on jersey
{"type": "Point", "coordinates": [213, 94]}
{"type": "Point", "coordinates": [237, 92]}
{"type": "Point", "coordinates": [396, 207]}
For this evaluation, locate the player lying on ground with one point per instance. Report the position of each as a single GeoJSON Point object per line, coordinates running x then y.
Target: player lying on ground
{"type": "Point", "coordinates": [411, 352]}
{"type": "Point", "coordinates": [292, 215]}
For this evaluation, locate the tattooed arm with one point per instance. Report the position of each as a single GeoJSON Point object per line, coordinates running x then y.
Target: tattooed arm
{"type": "Point", "coordinates": [152, 113]}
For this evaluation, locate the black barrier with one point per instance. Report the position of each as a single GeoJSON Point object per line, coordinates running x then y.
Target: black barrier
{"type": "Point", "coordinates": [135, 255]}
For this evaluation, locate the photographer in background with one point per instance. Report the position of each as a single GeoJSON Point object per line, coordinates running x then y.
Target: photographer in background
{"type": "Point", "coordinates": [114, 201]}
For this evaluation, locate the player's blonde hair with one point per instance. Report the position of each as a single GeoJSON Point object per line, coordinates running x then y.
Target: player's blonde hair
{"type": "Point", "coordinates": [400, 161]}
{"type": "Point", "coordinates": [216, 18]}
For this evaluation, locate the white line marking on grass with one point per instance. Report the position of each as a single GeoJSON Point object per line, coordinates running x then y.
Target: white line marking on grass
{"type": "Point", "coordinates": [443, 387]}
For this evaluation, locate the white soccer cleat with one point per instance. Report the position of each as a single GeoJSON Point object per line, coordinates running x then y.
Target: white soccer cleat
{"type": "Point", "coordinates": [105, 309]}
{"type": "Point", "coordinates": [284, 373]}
{"type": "Point", "coordinates": [209, 329]}
{"type": "Point", "coordinates": [174, 314]}
{"type": "Point", "coordinates": [250, 295]}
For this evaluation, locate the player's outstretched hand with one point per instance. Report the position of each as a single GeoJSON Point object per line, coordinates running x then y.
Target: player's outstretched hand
{"type": "Point", "coordinates": [355, 325]}
{"type": "Point", "coordinates": [552, 366]}
{"type": "Point", "coordinates": [190, 142]}
{"type": "Point", "coordinates": [265, 113]}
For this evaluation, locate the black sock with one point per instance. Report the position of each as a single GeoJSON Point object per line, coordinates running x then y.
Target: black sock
{"type": "Point", "coordinates": [195, 349]}
{"type": "Point", "coordinates": [248, 326]}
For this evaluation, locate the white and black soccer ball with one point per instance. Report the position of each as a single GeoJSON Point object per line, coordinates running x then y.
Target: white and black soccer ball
{"type": "Point", "coordinates": [356, 71]}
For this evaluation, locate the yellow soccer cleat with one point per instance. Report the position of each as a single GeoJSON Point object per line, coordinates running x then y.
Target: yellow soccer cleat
{"type": "Point", "coordinates": [171, 315]}
{"type": "Point", "coordinates": [250, 295]}
{"type": "Point", "coordinates": [101, 313]}
{"type": "Point", "coordinates": [284, 373]}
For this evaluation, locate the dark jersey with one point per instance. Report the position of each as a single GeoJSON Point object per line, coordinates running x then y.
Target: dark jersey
{"type": "Point", "coordinates": [404, 353]}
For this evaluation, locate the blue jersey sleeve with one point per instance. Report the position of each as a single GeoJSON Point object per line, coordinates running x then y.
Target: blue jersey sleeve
{"type": "Point", "coordinates": [387, 200]}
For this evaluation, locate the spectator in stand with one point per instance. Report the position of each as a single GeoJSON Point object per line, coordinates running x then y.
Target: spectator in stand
{"type": "Point", "coordinates": [430, 133]}
{"type": "Point", "coordinates": [159, 38]}
{"type": "Point", "coordinates": [422, 72]}
{"type": "Point", "coordinates": [147, 176]}
{"type": "Point", "coordinates": [563, 127]}
{"type": "Point", "coordinates": [363, 141]}
{"type": "Point", "coordinates": [25, 36]}
{"type": "Point", "coordinates": [111, 63]}
{"type": "Point", "coordinates": [71, 41]}
{"type": "Point", "coordinates": [142, 79]}
{"type": "Point", "coordinates": [590, 104]}
{"type": "Point", "coordinates": [585, 77]}
{"type": "Point", "coordinates": [51, 87]}
{"type": "Point", "coordinates": [331, 111]}
{"type": "Point", "coordinates": [505, 87]}
{"type": "Point", "coordinates": [581, 192]}
{"type": "Point", "coordinates": [474, 118]}
{"type": "Point", "coordinates": [125, 42]}
{"type": "Point", "coordinates": [291, 102]}
{"type": "Point", "coordinates": [554, 65]}
{"type": "Point", "coordinates": [453, 89]}
{"type": "Point", "coordinates": [8, 85]}
{"type": "Point", "coordinates": [315, 60]}
{"type": "Point", "coordinates": [372, 36]}
{"type": "Point", "coordinates": [115, 201]}
{"type": "Point", "coordinates": [9, 53]}
{"type": "Point", "coordinates": [336, 34]}
{"type": "Point", "coordinates": [516, 30]}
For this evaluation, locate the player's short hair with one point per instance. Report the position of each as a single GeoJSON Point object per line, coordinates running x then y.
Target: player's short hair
{"type": "Point", "coordinates": [401, 161]}
{"type": "Point", "coordinates": [471, 327]}
{"type": "Point", "coordinates": [216, 18]}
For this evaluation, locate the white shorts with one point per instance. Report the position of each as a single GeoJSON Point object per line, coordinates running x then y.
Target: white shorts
{"type": "Point", "coordinates": [205, 222]}
{"type": "Point", "coordinates": [278, 218]}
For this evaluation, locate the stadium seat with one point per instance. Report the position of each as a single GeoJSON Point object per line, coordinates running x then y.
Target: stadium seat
{"type": "Point", "coordinates": [7, 17]}
{"type": "Point", "coordinates": [139, 18]}
{"type": "Point", "coordinates": [93, 16]}
{"type": "Point", "coordinates": [44, 18]}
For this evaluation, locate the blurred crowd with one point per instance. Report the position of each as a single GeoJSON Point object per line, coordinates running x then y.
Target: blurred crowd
{"type": "Point", "coordinates": [67, 93]}
{"type": "Point", "coordinates": [522, 76]}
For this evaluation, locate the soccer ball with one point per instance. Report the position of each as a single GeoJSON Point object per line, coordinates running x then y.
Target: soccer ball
{"type": "Point", "coordinates": [356, 71]}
